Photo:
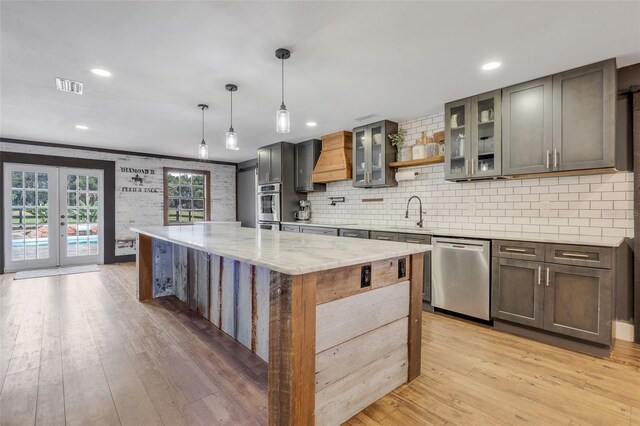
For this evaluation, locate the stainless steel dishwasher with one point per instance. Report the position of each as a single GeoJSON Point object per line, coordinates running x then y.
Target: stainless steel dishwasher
{"type": "Point", "coordinates": [460, 276]}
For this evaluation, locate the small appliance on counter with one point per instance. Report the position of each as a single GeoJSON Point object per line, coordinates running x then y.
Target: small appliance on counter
{"type": "Point", "coordinates": [304, 214]}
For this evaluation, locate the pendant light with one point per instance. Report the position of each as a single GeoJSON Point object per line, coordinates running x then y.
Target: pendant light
{"type": "Point", "coordinates": [283, 123]}
{"type": "Point", "coordinates": [203, 149]}
{"type": "Point", "coordinates": [231, 138]}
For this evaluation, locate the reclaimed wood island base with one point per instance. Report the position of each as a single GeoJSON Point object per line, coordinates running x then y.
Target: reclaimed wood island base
{"type": "Point", "coordinates": [338, 332]}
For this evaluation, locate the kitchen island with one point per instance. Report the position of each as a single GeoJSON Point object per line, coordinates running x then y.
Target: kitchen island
{"type": "Point", "coordinates": [338, 320]}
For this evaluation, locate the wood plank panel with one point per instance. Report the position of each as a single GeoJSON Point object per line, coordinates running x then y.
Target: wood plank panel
{"type": "Point", "coordinates": [348, 396]}
{"type": "Point", "coordinates": [386, 272]}
{"type": "Point", "coordinates": [244, 308]}
{"type": "Point", "coordinates": [292, 317]}
{"type": "Point", "coordinates": [341, 320]}
{"type": "Point", "coordinates": [144, 265]}
{"type": "Point", "coordinates": [215, 290]}
{"type": "Point", "coordinates": [202, 283]}
{"type": "Point", "coordinates": [162, 252]}
{"type": "Point", "coordinates": [338, 283]}
{"type": "Point", "coordinates": [180, 272]}
{"type": "Point", "coordinates": [415, 315]}
{"type": "Point", "coordinates": [352, 355]}
{"type": "Point", "coordinates": [192, 277]}
{"type": "Point", "coordinates": [229, 296]}
{"type": "Point", "coordinates": [261, 316]}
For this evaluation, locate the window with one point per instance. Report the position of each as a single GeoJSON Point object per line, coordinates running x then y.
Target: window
{"type": "Point", "coordinates": [186, 196]}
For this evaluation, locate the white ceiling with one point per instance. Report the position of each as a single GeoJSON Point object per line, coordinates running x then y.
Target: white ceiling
{"type": "Point", "coordinates": [398, 60]}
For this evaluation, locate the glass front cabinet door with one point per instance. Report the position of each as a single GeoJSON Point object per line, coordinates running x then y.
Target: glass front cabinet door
{"type": "Point", "coordinates": [473, 137]}
{"type": "Point", "coordinates": [457, 126]}
{"type": "Point", "coordinates": [372, 153]}
{"type": "Point", "coordinates": [486, 160]}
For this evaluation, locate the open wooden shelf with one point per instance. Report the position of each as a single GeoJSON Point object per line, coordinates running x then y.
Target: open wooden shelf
{"type": "Point", "coordinates": [419, 162]}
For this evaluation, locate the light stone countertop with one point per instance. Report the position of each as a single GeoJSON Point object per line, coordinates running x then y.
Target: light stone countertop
{"type": "Point", "coordinates": [584, 240]}
{"type": "Point", "coordinates": [286, 252]}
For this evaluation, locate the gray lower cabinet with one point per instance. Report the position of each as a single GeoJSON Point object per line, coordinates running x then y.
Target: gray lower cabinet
{"type": "Point", "coordinates": [517, 293]}
{"type": "Point", "coordinates": [421, 239]}
{"type": "Point", "coordinates": [555, 295]}
{"type": "Point", "coordinates": [527, 127]}
{"type": "Point", "coordinates": [290, 228]}
{"type": "Point", "coordinates": [354, 233]}
{"type": "Point", "coordinates": [383, 236]}
{"type": "Point", "coordinates": [578, 302]}
{"type": "Point", "coordinates": [307, 154]}
{"type": "Point", "coordinates": [318, 230]}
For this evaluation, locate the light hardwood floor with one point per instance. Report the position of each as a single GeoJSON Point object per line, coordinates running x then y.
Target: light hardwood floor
{"type": "Point", "coordinates": [81, 350]}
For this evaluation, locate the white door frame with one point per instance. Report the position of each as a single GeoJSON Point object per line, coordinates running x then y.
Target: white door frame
{"type": "Point", "coordinates": [64, 259]}
{"type": "Point", "coordinates": [57, 236]}
{"type": "Point", "coordinates": [53, 198]}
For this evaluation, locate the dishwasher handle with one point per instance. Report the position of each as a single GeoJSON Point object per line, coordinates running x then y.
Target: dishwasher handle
{"type": "Point", "coordinates": [460, 245]}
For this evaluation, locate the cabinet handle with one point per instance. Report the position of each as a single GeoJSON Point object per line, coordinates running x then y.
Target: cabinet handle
{"type": "Point", "coordinates": [581, 256]}
{"type": "Point", "coordinates": [547, 277]}
{"type": "Point", "coordinates": [412, 241]}
{"type": "Point", "coordinates": [351, 235]}
{"type": "Point", "coordinates": [382, 238]}
{"type": "Point", "coordinates": [516, 250]}
{"type": "Point", "coordinates": [473, 167]}
{"type": "Point", "coordinates": [548, 159]}
{"type": "Point", "coordinates": [539, 275]}
{"type": "Point", "coordinates": [555, 158]}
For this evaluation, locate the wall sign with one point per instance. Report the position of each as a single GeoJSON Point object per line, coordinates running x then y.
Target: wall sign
{"type": "Point", "coordinates": [138, 180]}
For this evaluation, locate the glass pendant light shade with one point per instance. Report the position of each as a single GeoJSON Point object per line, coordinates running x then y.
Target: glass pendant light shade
{"type": "Point", "coordinates": [283, 123]}
{"type": "Point", "coordinates": [203, 151]}
{"type": "Point", "coordinates": [232, 140]}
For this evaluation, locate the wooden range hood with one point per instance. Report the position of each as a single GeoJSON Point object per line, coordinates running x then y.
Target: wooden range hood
{"type": "Point", "coordinates": [334, 163]}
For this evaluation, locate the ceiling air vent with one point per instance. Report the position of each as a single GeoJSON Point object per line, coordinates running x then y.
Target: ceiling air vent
{"type": "Point", "coordinates": [65, 85]}
{"type": "Point", "coordinates": [367, 117]}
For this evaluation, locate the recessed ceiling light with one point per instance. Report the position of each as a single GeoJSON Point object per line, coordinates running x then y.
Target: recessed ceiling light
{"type": "Point", "coordinates": [491, 65]}
{"type": "Point", "coordinates": [311, 124]}
{"type": "Point", "coordinates": [101, 72]}
{"type": "Point", "coordinates": [82, 127]}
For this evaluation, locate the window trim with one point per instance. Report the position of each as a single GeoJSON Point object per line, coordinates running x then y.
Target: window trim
{"type": "Point", "coordinates": [207, 193]}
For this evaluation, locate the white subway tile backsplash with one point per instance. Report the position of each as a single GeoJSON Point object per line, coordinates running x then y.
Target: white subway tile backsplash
{"type": "Point", "coordinates": [588, 205]}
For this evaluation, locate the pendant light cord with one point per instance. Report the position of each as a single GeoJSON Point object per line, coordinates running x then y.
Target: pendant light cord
{"type": "Point", "coordinates": [282, 81]}
{"type": "Point", "coordinates": [202, 124]}
{"type": "Point", "coordinates": [231, 91]}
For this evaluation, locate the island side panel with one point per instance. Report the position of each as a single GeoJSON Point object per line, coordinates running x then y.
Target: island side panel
{"type": "Point", "coordinates": [415, 316]}
{"type": "Point", "coordinates": [144, 266]}
{"type": "Point", "coordinates": [292, 341]}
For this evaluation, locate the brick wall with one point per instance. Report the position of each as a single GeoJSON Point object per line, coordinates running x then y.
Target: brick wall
{"type": "Point", "coordinates": [146, 209]}
{"type": "Point", "coordinates": [587, 205]}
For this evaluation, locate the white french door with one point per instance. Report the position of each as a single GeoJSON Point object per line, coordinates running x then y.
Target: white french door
{"type": "Point", "coordinates": [53, 216]}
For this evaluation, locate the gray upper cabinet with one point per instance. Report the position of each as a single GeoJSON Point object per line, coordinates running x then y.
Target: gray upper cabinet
{"type": "Point", "coordinates": [372, 153]}
{"type": "Point", "coordinates": [473, 137]}
{"type": "Point", "coordinates": [527, 129]}
{"type": "Point", "coordinates": [270, 164]}
{"type": "Point", "coordinates": [584, 101]}
{"type": "Point", "coordinates": [307, 154]}
{"type": "Point", "coordinates": [457, 137]}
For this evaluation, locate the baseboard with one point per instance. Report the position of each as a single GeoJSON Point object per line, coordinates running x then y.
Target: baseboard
{"type": "Point", "coordinates": [125, 258]}
{"type": "Point", "coordinates": [623, 330]}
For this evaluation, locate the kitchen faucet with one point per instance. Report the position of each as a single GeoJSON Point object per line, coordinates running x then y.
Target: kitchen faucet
{"type": "Point", "coordinates": [406, 215]}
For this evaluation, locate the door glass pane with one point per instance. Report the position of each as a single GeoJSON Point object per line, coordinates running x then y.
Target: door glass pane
{"type": "Point", "coordinates": [360, 156]}
{"type": "Point", "coordinates": [376, 153]}
{"type": "Point", "coordinates": [29, 215]}
{"type": "Point", "coordinates": [486, 135]}
{"type": "Point", "coordinates": [83, 234]}
{"type": "Point", "coordinates": [457, 137]}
